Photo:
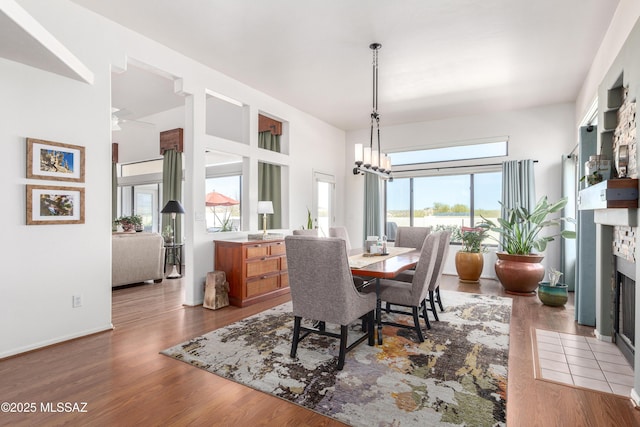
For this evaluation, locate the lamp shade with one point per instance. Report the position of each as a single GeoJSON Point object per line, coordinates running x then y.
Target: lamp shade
{"type": "Point", "coordinates": [173, 206]}
{"type": "Point", "coordinates": [265, 207]}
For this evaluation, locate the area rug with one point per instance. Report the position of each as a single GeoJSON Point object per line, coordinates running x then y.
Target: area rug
{"type": "Point", "coordinates": [458, 376]}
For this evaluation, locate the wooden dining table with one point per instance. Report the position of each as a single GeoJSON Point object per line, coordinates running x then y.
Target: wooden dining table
{"type": "Point", "coordinates": [382, 267]}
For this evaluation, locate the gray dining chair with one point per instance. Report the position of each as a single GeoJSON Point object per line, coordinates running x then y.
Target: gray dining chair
{"type": "Point", "coordinates": [311, 232]}
{"type": "Point", "coordinates": [322, 291]}
{"type": "Point", "coordinates": [411, 237]}
{"type": "Point", "coordinates": [434, 283]}
{"type": "Point", "coordinates": [412, 295]}
{"type": "Point", "coordinates": [341, 233]}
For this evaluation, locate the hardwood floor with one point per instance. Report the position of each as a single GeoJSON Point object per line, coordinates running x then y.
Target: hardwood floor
{"type": "Point", "coordinates": [125, 381]}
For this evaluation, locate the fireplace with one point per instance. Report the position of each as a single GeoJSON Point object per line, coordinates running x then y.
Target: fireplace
{"type": "Point", "coordinates": [624, 308]}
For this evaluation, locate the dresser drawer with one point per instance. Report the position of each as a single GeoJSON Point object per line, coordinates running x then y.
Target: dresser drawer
{"type": "Point", "coordinates": [262, 285]}
{"type": "Point", "coordinates": [256, 251]}
{"type": "Point", "coordinates": [278, 248]}
{"type": "Point", "coordinates": [262, 266]}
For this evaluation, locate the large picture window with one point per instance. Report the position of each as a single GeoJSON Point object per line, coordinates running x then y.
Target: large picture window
{"type": "Point", "coordinates": [443, 202]}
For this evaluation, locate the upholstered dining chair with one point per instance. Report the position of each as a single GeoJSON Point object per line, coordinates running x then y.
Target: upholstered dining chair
{"type": "Point", "coordinates": [411, 237]}
{"type": "Point", "coordinates": [412, 295]}
{"type": "Point", "coordinates": [322, 291]}
{"type": "Point", "coordinates": [341, 232]}
{"type": "Point", "coordinates": [434, 283]}
{"type": "Point", "coordinates": [311, 232]}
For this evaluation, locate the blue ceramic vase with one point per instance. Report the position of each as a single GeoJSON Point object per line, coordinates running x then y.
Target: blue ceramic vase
{"type": "Point", "coordinates": [555, 296]}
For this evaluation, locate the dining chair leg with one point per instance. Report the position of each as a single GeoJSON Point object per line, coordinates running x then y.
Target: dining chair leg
{"type": "Point", "coordinates": [343, 346]}
{"type": "Point", "coordinates": [433, 305]}
{"type": "Point", "coordinates": [296, 335]}
{"type": "Point", "coordinates": [439, 299]}
{"type": "Point", "coordinates": [371, 328]}
{"type": "Point", "coordinates": [424, 313]}
{"type": "Point", "coordinates": [416, 320]}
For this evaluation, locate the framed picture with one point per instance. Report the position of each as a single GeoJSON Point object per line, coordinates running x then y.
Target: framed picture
{"type": "Point", "coordinates": [54, 205]}
{"type": "Point", "coordinates": [54, 161]}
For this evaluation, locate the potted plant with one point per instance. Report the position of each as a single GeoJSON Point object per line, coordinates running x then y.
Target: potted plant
{"type": "Point", "coordinates": [553, 293]}
{"type": "Point", "coordinates": [130, 223]}
{"type": "Point", "coordinates": [470, 259]}
{"type": "Point", "coordinates": [518, 268]}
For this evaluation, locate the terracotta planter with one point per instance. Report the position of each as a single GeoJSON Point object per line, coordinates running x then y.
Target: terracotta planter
{"type": "Point", "coordinates": [519, 274]}
{"type": "Point", "coordinates": [469, 266]}
{"type": "Point", "coordinates": [555, 296]}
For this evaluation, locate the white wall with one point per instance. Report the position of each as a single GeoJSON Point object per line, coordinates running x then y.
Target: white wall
{"type": "Point", "coordinates": [543, 134]}
{"type": "Point", "coordinates": [48, 264]}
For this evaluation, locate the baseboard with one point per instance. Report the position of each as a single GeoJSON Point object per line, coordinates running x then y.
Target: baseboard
{"type": "Point", "coordinates": [605, 338]}
{"type": "Point", "coordinates": [635, 398]}
{"type": "Point", "coordinates": [51, 342]}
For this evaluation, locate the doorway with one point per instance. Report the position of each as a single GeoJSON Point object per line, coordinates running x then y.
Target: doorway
{"type": "Point", "coordinates": [324, 201]}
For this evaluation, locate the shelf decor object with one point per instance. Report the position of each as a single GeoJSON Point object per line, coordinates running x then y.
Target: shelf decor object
{"type": "Point", "coordinates": [612, 193]}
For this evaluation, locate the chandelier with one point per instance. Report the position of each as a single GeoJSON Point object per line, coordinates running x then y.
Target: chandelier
{"type": "Point", "coordinates": [371, 159]}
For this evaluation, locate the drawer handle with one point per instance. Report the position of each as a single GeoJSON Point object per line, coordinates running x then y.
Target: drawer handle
{"type": "Point", "coordinates": [257, 246]}
{"type": "Point", "coordinates": [279, 243]}
{"type": "Point", "coordinates": [263, 277]}
{"type": "Point", "coordinates": [263, 258]}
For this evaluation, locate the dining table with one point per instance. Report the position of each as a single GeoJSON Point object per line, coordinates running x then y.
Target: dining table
{"type": "Point", "coordinates": [382, 266]}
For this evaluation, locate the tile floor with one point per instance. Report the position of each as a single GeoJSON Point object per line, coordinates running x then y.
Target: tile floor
{"type": "Point", "coordinates": [583, 362]}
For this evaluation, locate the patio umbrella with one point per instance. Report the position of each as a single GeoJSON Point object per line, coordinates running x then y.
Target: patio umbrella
{"type": "Point", "coordinates": [218, 199]}
{"type": "Point", "coordinates": [214, 199]}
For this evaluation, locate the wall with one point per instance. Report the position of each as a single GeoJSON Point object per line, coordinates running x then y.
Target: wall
{"type": "Point", "coordinates": [47, 265]}
{"type": "Point", "coordinates": [543, 134]}
{"type": "Point", "coordinates": [626, 64]}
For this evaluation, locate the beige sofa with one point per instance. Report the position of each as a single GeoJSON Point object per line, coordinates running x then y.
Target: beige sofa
{"type": "Point", "coordinates": [136, 257]}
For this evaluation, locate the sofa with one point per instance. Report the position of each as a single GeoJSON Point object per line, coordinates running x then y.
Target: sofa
{"type": "Point", "coordinates": [136, 257]}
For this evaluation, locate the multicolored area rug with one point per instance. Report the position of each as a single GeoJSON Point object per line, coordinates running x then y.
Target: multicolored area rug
{"type": "Point", "coordinates": [458, 376]}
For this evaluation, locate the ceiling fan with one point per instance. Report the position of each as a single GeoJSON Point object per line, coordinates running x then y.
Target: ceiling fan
{"type": "Point", "coordinates": [117, 119]}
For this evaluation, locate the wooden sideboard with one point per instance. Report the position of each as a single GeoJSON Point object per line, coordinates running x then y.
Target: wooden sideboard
{"type": "Point", "coordinates": [256, 269]}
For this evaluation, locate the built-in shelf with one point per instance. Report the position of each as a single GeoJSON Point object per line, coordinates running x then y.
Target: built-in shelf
{"type": "Point", "coordinates": [610, 194]}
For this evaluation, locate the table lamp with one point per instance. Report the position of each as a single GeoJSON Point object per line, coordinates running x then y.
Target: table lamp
{"type": "Point", "coordinates": [173, 207]}
{"type": "Point", "coordinates": [265, 208]}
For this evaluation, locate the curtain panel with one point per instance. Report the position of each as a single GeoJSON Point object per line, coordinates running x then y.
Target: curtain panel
{"type": "Point", "coordinates": [172, 187]}
{"type": "Point", "coordinates": [270, 181]}
{"type": "Point", "coordinates": [372, 206]}
{"type": "Point", "coordinates": [518, 185]}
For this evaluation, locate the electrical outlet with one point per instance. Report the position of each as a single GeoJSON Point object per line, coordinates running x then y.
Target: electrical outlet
{"type": "Point", "coordinates": [77, 301]}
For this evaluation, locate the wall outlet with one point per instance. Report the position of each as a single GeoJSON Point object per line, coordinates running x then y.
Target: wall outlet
{"type": "Point", "coordinates": [77, 301]}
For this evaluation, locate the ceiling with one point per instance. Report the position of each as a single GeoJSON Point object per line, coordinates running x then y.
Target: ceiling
{"type": "Point", "coordinates": [439, 58]}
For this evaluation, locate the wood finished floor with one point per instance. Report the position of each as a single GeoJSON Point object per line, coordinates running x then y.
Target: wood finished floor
{"type": "Point", "coordinates": [125, 381]}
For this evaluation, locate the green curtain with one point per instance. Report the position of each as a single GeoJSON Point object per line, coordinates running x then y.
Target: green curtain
{"type": "Point", "coordinates": [372, 206]}
{"type": "Point", "coordinates": [114, 192]}
{"type": "Point", "coordinates": [172, 187]}
{"type": "Point", "coordinates": [518, 185]}
{"type": "Point", "coordinates": [270, 181]}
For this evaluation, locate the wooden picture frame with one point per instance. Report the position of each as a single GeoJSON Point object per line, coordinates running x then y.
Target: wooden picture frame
{"type": "Point", "coordinates": [48, 205]}
{"type": "Point", "coordinates": [54, 161]}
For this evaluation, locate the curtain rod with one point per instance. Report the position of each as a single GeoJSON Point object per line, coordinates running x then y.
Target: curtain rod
{"type": "Point", "coordinates": [454, 167]}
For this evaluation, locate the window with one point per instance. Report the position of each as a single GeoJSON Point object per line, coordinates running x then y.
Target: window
{"type": "Point", "coordinates": [463, 151]}
{"type": "Point", "coordinates": [444, 202]}
{"type": "Point", "coordinates": [224, 203]}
